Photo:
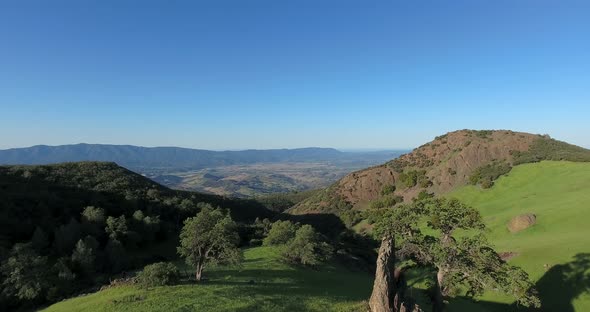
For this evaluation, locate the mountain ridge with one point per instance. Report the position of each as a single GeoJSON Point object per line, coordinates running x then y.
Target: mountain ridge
{"type": "Point", "coordinates": [239, 173]}
{"type": "Point", "coordinates": [167, 156]}
{"type": "Point", "coordinates": [454, 159]}
{"type": "Point", "coordinates": [104, 184]}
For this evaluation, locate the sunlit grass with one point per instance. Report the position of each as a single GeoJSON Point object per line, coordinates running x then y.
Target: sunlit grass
{"type": "Point", "coordinates": [558, 193]}
{"type": "Point", "coordinates": [262, 283]}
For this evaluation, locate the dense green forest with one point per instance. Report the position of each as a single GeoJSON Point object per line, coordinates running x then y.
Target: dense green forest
{"type": "Point", "coordinates": [68, 227]}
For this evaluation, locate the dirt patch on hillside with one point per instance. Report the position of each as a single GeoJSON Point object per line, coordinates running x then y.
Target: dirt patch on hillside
{"type": "Point", "coordinates": [522, 222]}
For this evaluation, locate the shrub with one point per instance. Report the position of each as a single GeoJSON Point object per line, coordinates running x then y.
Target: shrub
{"type": "Point", "coordinates": [423, 195]}
{"type": "Point", "coordinates": [398, 164]}
{"type": "Point", "coordinates": [487, 184]}
{"type": "Point", "coordinates": [158, 274]}
{"type": "Point", "coordinates": [387, 189]}
{"type": "Point", "coordinates": [281, 232]}
{"type": "Point", "coordinates": [486, 175]}
{"type": "Point", "coordinates": [351, 217]}
{"type": "Point", "coordinates": [545, 148]}
{"type": "Point", "coordinates": [414, 177]}
{"type": "Point", "coordinates": [307, 248]}
{"type": "Point", "coordinates": [483, 133]}
{"type": "Point", "coordinates": [424, 182]}
{"type": "Point", "coordinates": [441, 137]}
{"type": "Point", "coordinates": [407, 179]}
{"type": "Point", "coordinates": [387, 201]}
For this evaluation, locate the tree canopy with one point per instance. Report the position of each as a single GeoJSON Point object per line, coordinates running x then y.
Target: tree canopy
{"type": "Point", "coordinates": [307, 247]}
{"type": "Point", "coordinates": [208, 238]}
{"type": "Point", "coordinates": [426, 232]}
{"type": "Point", "coordinates": [281, 232]}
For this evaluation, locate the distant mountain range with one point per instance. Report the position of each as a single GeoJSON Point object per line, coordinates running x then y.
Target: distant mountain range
{"type": "Point", "coordinates": [137, 157]}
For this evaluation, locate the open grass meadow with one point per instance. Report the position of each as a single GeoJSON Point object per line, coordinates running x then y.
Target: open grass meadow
{"type": "Point", "coordinates": [556, 250]}
{"type": "Point", "coordinates": [262, 283]}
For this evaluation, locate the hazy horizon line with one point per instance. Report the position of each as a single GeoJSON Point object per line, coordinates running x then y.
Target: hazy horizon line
{"type": "Point", "coordinates": [341, 149]}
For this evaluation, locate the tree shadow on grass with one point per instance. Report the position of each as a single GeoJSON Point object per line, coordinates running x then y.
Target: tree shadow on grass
{"type": "Point", "coordinates": [563, 283]}
{"type": "Point", "coordinates": [291, 290]}
{"type": "Point", "coordinates": [558, 288]}
{"type": "Point", "coordinates": [288, 290]}
{"type": "Point", "coordinates": [286, 297]}
{"type": "Point", "coordinates": [257, 275]}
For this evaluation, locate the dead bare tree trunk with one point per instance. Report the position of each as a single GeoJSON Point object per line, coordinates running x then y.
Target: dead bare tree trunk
{"type": "Point", "coordinates": [384, 285]}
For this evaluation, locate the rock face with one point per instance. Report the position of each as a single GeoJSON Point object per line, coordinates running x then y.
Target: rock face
{"type": "Point", "coordinates": [366, 184]}
{"type": "Point", "coordinates": [449, 160]}
{"type": "Point", "coordinates": [445, 163]}
{"type": "Point", "coordinates": [522, 222]}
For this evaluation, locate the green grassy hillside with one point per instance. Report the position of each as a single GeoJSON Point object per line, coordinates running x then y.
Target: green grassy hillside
{"type": "Point", "coordinates": [276, 287]}
{"type": "Point", "coordinates": [555, 251]}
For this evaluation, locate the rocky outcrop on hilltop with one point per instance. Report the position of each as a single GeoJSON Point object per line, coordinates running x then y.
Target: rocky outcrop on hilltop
{"type": "Point", "coordinates": [449, 161]}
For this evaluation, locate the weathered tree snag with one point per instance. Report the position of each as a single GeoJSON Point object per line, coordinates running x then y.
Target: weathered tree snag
{"type": "Point", "coordinates": [399, 287]}
{"type": "Point", "coordinates": [384, 285]}
{"type": "Point", "coordinates": [440, 293]}
{"type": "Point", "coordinates": [439, 304]}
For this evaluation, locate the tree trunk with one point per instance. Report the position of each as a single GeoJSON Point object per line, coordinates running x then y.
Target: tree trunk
{"type": "Point", "coordinates": [384, 285]}
{"type": "Point", "coordinates": [399, 288]}
{"type": "Point", "coordinates": [439, 293]}
{"type": "Point", "coordinates": [199, 273]}
{"type": "Point", "coordinates": [439, 304]}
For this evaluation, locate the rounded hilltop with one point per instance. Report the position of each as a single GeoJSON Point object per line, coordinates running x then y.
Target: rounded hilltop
{"type": "Point", "coordinates": [449, 161]}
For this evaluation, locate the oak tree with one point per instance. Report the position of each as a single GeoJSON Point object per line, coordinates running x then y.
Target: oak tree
{"type": "Point", "coordinates": [208, 238]}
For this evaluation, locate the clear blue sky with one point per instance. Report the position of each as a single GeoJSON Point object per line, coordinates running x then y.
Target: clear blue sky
{"type": "Point", "coordinates": [268, 74]}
